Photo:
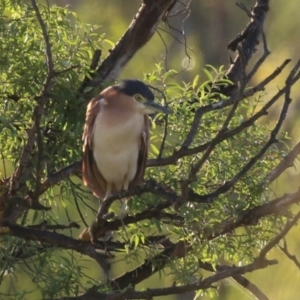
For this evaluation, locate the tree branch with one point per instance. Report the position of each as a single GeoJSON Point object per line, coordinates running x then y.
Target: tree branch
{"type": "Point", "coordinates": [252, 215]}
{"type": "Point", "coordinates": [35, 131]}
{"type": "Point", "coordinates": [183, 151]}
{"type": "Point", "coordinates": [244, 282]}
{"type": "Point", "coordinates": [251, 287]}
{"type": "Point", "coordinates": [248, 217]}
{"type": "Point", "coordinates": [206, 283]}
{"type": "Point", "coordinates": [53, 238]}
{"type": "Point", "coordinates": [60, 175]}
{"type": "Point", "coordinates": [139, 32]}
{"type": "Point", "coordinates": [287, 162]}
{"type": "Point", "coordinates": [278, 237]}
{"type": "Point", "coordinates": [293, 258]}
{"type": "Point", "coordinates": [248, 39]}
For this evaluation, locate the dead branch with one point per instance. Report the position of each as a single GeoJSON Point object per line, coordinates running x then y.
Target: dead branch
{"type": "Point", "coordinates": [248, 39]}
{"type": "Point", "coordinates": [290, 256]}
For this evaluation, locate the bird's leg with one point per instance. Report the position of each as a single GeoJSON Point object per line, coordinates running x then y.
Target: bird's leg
{"type": "Point", "coordinates": [101, 212]}
{"type": "Point", "coordinates": [108, 190]}
{"type": "Point", "coordinates": [122, 221]}
{"type": "Point", "coordinates": [103, 209]}
{"type": "Point", "coordinates": [124, 207]}
{"type": "Point", "coordinates": [124, 200]}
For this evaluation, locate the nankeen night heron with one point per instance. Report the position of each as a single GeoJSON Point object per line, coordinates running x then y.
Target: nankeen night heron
{"type": "Point", "coordinates": [116, 138]}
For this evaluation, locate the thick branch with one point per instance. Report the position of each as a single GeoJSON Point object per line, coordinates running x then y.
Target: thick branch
{"type": "Point", "coordinates": [245, 218]}
{"type": "Point", "coordinates": [251, 287]}
{"type": "Point", "coordinates": [139, 32]}
{"type": "Point", "coordinates": [206, 283]}
{"type": "Point", "coordinates": [244, 282]}
{"type": "Point", "coordinates": [251, 216]}
{"type": "Point", "coordinates": [62, 174]}
{"type": "Point", "coordinates": [101, 226]}
{"type": "Point", "coordinates": [53, 238]}
{"type": "Point", "coordinates": [248, 217]}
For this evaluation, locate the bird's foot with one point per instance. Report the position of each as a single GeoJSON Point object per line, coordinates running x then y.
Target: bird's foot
{"type": "Point", "coordinates": [88, 234]}
{"type": "Point", "coordinates": [123, 213]}
{"type": "Point", "coordinates": [91, 233]}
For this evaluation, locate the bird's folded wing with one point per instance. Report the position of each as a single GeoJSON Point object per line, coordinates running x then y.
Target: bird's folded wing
{"type": "Point", "coordinates": [143, 154]}
{"type": "Point", "coordinates": [90, 174]}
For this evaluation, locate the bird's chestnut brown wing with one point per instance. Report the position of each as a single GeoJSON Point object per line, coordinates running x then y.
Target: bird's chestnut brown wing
{"type": "Point", "coordinates": [90, 174]}
{"type": "Point", "coordinates": [143, 154]}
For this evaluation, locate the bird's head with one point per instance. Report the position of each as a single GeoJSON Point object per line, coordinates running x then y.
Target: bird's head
{"type": "Point", "coordinates": [142, 95]}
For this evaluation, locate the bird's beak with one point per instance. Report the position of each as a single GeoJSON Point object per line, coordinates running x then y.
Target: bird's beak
{"type": "Point", "coordinates": [152, 107]}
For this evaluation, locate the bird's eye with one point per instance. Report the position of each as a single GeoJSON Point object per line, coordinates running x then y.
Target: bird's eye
{"type": "Point", "coordinates": [138, 98]}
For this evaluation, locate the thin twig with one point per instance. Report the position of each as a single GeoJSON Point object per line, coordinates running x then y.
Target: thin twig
{"type": "Point", "coordinates": [278, 237]}
{"type": "Point", "coordinates": [243, 7]}
{"type": "Point", "coordinates": [60, 72]}
{"type": "Point", "coordinates": [166, 118]}
{"type": "Point", "coordinates": [225, 103]}
{"type": "Point", "coordinates": [244, 282]}
{"type": "Point", "coordinates": [166, 49]}
{"type": "Point", "coordinates": [194, 169]}
{"type": "Point", "coordinates": [225, 187]}
{"type": "Point", "coordinates": [76, 204]}
{"type": "Point", "coordinates": [287, 162]}
{"type": "Point", "coordinates": [290, 256]}
{"type": "Point", "coordinates": [49, 58]}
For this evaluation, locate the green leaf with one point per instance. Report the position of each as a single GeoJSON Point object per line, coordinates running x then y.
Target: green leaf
{"type": "Point", "coordinates": [208, 75]}
{"type": "Point", "coordinates": [195, 82]}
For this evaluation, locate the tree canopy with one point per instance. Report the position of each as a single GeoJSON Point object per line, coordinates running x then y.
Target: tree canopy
{"type": "Point", "coordinates": [207, 210]}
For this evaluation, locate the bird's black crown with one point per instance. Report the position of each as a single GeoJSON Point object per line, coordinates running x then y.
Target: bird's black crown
{"type": "Point", "coordinates": [132, 87]}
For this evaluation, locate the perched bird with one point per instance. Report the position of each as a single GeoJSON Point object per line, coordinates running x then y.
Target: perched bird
{"type": "Point", "coordinates": [116, 138]}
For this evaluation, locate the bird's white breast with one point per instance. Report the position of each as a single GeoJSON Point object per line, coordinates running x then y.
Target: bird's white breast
{"type": "Point", "coordinates": [116, 146]}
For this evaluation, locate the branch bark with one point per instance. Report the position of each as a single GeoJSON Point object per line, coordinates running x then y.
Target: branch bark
{"type": "Point", "coordinates": [139, 32]}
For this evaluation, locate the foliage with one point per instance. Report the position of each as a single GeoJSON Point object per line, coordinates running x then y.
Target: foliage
{"type": "Point", "coordinates": [214, 178]}
{"type": "Point", "coordinates": [23, 72]}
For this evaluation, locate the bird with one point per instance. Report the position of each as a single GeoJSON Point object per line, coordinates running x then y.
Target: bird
{"type": "Point", "coordinates": [116, 138]}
